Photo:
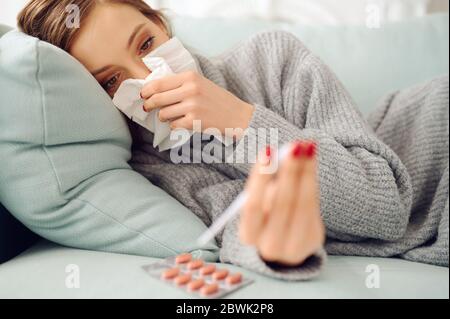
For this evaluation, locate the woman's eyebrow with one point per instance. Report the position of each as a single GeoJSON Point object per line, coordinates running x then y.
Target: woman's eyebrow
{"type": "Point", "coordinates": [133, 35]}
{"type": "Point", "coordinates": [101, 70]}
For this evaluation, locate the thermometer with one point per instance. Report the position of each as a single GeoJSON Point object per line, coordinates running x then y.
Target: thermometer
{"type": "Point", "coordinates": [233, 210]}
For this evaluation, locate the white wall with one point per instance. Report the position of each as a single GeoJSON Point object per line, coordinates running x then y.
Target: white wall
{"type": "Point", "coordinates": [9, 10]}
{"type": "Point", "coordinates": [301, 11]}
{"type": "Point", "coordinates": [330, 12]}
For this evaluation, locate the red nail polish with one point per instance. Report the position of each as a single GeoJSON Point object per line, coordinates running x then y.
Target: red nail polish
{"type": "Point", "coordinates": [140, 94]}
{"type": "Point", "coordinates": [311, 150]}
{"type": "Point", "coordinates": [268, 151]}
{"type": "Point", "coordinates": [143, 107]}
{"type": "Point", "coordinates": [297, 151]}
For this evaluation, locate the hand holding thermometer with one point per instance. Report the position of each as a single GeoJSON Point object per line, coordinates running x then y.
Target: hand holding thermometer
{"type": "Point", "coordinates": [234, 209]}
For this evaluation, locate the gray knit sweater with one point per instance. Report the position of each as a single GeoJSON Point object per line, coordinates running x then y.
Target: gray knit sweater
{"type": "Point", "coordinates": [383, 194]}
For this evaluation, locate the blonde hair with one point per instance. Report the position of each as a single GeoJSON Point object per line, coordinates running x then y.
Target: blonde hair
{"type": "Point", "coordinates": [46, 19]}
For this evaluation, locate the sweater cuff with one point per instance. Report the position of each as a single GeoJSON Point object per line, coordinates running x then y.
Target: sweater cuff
{"type": "Point", "coordinates": [234, 252]}
{"type": "Point", "coordinates": [249, 258]}
{"type": "Point", "coordinates": [309, 269]}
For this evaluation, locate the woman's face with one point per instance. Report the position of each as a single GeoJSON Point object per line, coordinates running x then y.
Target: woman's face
{"type": "Point", "coordinates": [112, 42]}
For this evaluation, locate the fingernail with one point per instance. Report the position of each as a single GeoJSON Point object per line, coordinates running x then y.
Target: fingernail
{"type": "Point", "coordinates": [140, 94]}
{"type": "Point", "coordinates": [268, 151]}
{"type": "Point", "coordinates": [264, 158]}
{"type": "Point", "coordinates": [143, 107]}
{"type": "Point", "coordinates": [297, 151]}
{"type": "Point", "coordinates": [311, 150]}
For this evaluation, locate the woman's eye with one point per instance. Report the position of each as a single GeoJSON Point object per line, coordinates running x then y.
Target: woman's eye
{"type": "Point", "coordinates": [111, 83]}
{"type": "Point", "coordinates": [147, 44]}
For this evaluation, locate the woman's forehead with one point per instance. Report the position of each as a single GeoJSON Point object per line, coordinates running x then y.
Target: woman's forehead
{"type": "Point", "coordinates": [104, 32]}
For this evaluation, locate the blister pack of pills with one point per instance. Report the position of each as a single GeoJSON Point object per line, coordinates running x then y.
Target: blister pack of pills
{"type": "Point", "coordinates": [197, 277]}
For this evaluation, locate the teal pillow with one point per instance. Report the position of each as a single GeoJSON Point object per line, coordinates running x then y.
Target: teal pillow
{"type": "Point", "coordinates": [14, 237]}
{"type": "Point", "coordinates": [370, 62]}
{"type": "Point", "coordinates": [64, 150]}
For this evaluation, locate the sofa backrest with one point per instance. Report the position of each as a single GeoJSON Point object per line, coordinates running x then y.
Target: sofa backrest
{"type": "Point", "coordinates": [4, 29]}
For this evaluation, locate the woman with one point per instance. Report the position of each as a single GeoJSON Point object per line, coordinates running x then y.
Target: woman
{"type": "Point", "coordinates": [356, 187]}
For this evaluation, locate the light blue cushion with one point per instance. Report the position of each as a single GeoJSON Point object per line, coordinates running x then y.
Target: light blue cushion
{"type": "Point", "coordinates": [370, 62]}
{"type": "Point", "coordinates": [14, 237]}
{"type": "Point", "coordinates": [64, 150]}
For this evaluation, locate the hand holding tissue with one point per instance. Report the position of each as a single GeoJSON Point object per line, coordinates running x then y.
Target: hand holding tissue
{"type": "Point", "coordinates": [170, 58]}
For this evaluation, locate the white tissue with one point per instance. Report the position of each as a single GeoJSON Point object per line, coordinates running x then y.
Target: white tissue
{"type": "Point", "coordinates": [128, 100]}
{"type": "Point", "coordinates": [170, 58]}
{"type": "Point", "coordinates": [176, 55]}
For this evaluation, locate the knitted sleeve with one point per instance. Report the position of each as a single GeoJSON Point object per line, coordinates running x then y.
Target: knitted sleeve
{"type": "Point", "coordinates": [365, 190]}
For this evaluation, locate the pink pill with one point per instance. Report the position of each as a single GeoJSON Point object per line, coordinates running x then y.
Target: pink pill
{"type": "Point", "coordinates": [183, 258]}
{"type": "Point", "coordinates": [220, 274]}
{"type": "Point", "coordinates": [207, 270]}
{"type": "Point", "coordinates": [209, 289]}
{"type": "Point", "coordinates": [234, 279]}
{"type": "Point", "coordinates": [195, 264]}
{"type": "Point", "coordinates": [182, 279]}
{"type": "Point", "coordinates": [196, 284]}
{"type": "Point", "coordinates": [170, 273]}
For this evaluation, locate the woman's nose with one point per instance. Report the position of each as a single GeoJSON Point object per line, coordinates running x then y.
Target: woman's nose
{"type": "Point", "coordinates": [139, 70]}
